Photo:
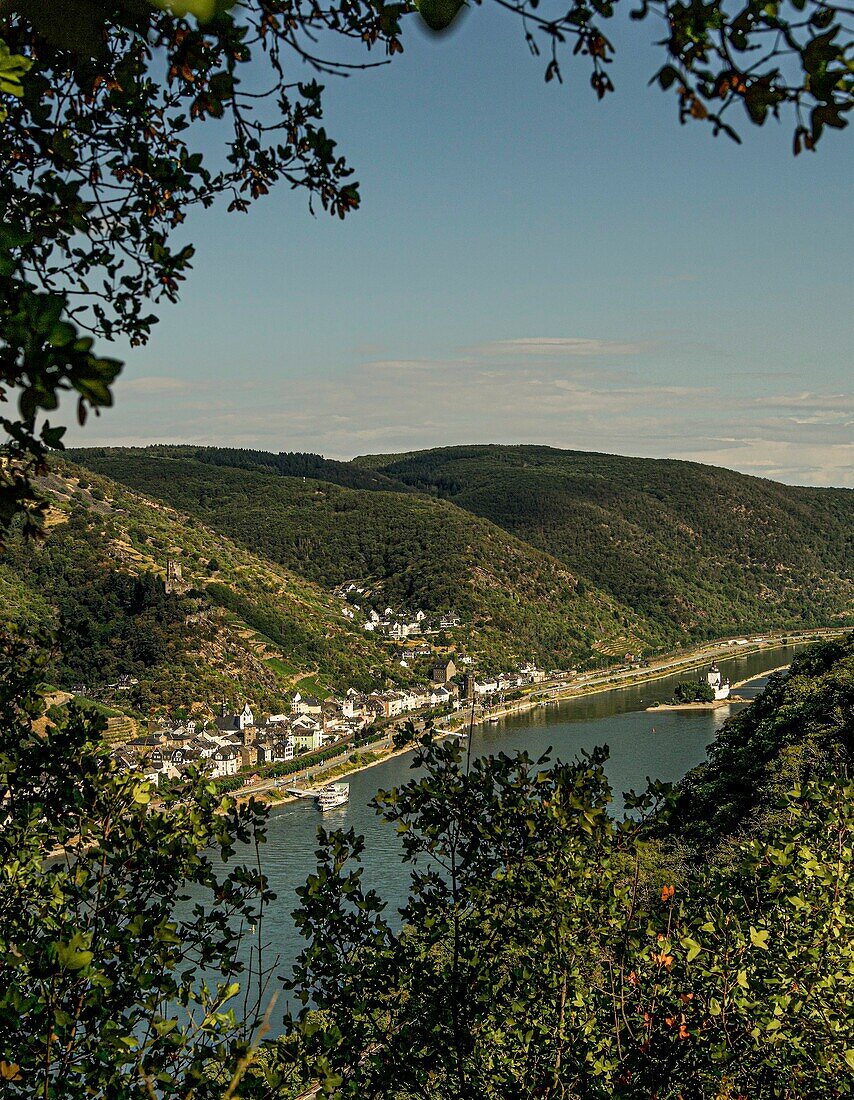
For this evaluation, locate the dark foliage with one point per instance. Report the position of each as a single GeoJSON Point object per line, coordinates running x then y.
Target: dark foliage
{"type": "Point", "coordinates": [693, 691]}
{"type": "Point", "coordinates": [699, 550]}
{"type": "Point", "coordinates": [801, 727]}
{"type": "Point", "coordinates": [110, 985]}
{"type": "Point", "coordinates": [108, 623]}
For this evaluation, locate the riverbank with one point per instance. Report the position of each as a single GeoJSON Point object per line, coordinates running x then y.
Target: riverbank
{"type": "Point", "coordinates": [545, 694]}
{"type": "Point", "coordinates": [713, 705]}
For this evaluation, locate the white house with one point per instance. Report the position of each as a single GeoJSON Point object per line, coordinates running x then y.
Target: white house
{"type": "Point", "coordinates": [224, 762]}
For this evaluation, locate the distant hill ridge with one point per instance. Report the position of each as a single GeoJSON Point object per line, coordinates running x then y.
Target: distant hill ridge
{"type": "Point", "coordinates": [411, 550]}
{"type": "Point", "coordinates": [681, 550]}
{"type": "Point", "coordinates": [699, 547]}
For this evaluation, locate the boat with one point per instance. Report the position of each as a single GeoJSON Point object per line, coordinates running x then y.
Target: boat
{"type": "Point", "coordinates": [493, 721]}
{"type": "Point", "coordinates": [332, 796]}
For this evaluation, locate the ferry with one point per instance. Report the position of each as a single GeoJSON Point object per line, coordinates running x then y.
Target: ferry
{"type": "Point", "coordinates": [332, 796]}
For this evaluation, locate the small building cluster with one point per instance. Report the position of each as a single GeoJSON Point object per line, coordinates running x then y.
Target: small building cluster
{"type": "Point", "coordinates": [395, 624]}
{"type": "Point", "coordinates": [504, 681]}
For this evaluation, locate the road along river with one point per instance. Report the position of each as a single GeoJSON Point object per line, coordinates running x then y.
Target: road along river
{"type": "Point", "coordinates": [662, 745]}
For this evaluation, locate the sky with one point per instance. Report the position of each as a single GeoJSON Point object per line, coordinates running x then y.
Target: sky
{"type": "Point", "coordinates": [527, 265]}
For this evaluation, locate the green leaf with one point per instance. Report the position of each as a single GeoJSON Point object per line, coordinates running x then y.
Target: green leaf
{"type": "Point", "coordinates": [12, 69]}
{"type": "Point", "coordinates": [73, 955]}
{"type": "Point", "coordinates": [142, 794]}
{"type": "Point", "coordinates": [439, 14]}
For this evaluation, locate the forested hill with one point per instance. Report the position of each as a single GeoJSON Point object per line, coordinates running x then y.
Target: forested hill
{"type": "Point", "coordinates": [285, 463]}
{"type": "Point", "coordinates": [683, 551]}
{"type": "Point", "coordinates": [410, 550]}
{"type": "Point", "coordinates": [801, 727]}
{"type": "Point", "coordinates": [696, 549]}
{"type": "Point", "coordinates": [239, 627]}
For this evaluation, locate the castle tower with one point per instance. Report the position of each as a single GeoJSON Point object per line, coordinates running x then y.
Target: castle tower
{"type": "Point", "coordinates": [174, 581]}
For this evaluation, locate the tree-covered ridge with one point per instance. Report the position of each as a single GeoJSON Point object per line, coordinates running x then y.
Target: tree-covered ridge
{"type": "Point", "coordinates": [239, 627]}
{"type": "Point", "coordinates": [699, 550]}
{"type": "Point", "coordinates": [286, 463]}
{"type": "Point", "coordinates": [694, 551]}
{"type": "Point", "coordinates": [517, 602]}
{"type": "Point", "coordinates": [800, 728]}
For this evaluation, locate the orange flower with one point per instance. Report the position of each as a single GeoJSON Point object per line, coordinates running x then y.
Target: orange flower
{"type": "Point", "coordinates": [667, 892]}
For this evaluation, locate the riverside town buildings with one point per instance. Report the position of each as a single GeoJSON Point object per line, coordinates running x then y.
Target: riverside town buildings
{"type": "Point", "coordinates": [230, 744]}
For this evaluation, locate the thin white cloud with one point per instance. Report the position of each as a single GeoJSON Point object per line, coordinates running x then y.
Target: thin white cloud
{"type": "Point", "coordinates": [560, 392]}
{"type": "Point", "coordinates": [153, 385]}
{"type": "Point", "coordinates": [560, 346]}
{"type": "Point", "coordinates": [832, 402]}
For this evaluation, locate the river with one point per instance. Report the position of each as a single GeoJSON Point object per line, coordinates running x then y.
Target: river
{"type": "Point", "coordinates": [663, 745]}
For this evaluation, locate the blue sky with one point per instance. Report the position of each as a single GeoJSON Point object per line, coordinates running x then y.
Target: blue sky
{"type": "Point", "coordinates": [528, 265]}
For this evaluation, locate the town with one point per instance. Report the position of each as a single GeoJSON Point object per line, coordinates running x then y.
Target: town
{"type": "Point", "coordinates": [241, 746]}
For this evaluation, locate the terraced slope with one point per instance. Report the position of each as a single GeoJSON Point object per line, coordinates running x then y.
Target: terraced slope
{"type": "Point", "coordinates": [241, 628]}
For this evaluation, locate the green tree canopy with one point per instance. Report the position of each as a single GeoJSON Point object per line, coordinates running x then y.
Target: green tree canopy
{"type": "Point", "coordinates": [693, 691]}
{"type": "Point", "coordinates": [110, 984]}
{"type": "Point", "coordinates": [544, 950]}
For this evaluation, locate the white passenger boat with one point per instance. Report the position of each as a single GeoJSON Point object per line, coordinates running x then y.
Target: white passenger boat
{"type": "Point", "coordinates": [332, 796]}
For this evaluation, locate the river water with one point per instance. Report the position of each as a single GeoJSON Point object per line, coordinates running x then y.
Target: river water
{"type": "Point", "coordinates": [662, 745]}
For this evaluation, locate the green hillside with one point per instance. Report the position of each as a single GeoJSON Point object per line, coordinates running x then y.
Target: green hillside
{"type": "Point", "coordinates": [699, 551]}
{"type": "Point", "coordinates": [241, 628]}
{"type": "Point", "coordinates": [286, 463]}
{"type": "Point", "coordinates": [560, 556]}
{"type": "Point", "coordinates": [801, 727]}
{"type": "Point", "coordinates": [409, 549]}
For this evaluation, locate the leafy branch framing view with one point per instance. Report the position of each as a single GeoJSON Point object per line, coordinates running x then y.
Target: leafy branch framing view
{"type": "Point", "coordinates": [700, 945]}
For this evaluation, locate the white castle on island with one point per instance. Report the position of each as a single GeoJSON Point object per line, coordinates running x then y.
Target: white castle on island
{"type": "Point", "coordinates": [719, 686]}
